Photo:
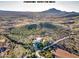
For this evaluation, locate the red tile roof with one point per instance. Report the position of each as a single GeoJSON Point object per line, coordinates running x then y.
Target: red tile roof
{"type": "Point", "coordinates": [64, 54]}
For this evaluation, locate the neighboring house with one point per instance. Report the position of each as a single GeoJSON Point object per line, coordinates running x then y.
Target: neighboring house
{"type": "Point", "coordinates": [4, 44]}
{"type": "Point", "coordinates": [59, 53]}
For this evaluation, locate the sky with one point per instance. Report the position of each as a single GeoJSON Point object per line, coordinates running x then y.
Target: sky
{"type": "Point", "coordinates": [68, 6]}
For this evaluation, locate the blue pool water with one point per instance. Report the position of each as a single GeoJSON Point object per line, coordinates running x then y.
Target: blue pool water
{"type": "Point", "coordinates": [2, 49]}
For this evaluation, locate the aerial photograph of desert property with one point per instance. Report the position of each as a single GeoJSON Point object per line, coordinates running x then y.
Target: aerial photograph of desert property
{"type": "Point", "coordinates": [39, 30]}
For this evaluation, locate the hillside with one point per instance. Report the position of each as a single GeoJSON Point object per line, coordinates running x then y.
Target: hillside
{"type": "Point", "coordinates": [50, 12]}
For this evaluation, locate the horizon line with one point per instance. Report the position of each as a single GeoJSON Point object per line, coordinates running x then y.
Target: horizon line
{"type": "Point", "coordinates": [36, 11]}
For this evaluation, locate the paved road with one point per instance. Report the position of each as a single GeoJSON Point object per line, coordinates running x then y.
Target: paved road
{"type": "Point", "coordinates": [38, 55]}
{"type": "Point", "coordinates": [56, 42]}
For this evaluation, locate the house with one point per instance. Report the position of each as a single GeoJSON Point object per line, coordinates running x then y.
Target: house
{"type": "Point", "coordinates": [59, 53]}
{"type": "Point", "coordinates": [37, 43]}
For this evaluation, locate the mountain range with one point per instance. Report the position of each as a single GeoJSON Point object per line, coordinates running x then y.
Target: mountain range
{"type": "Point", "coordinates": [49, 12]}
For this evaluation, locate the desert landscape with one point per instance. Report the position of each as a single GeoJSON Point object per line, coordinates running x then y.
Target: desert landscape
{"type": "Point", "coordinates": [39, 34]}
